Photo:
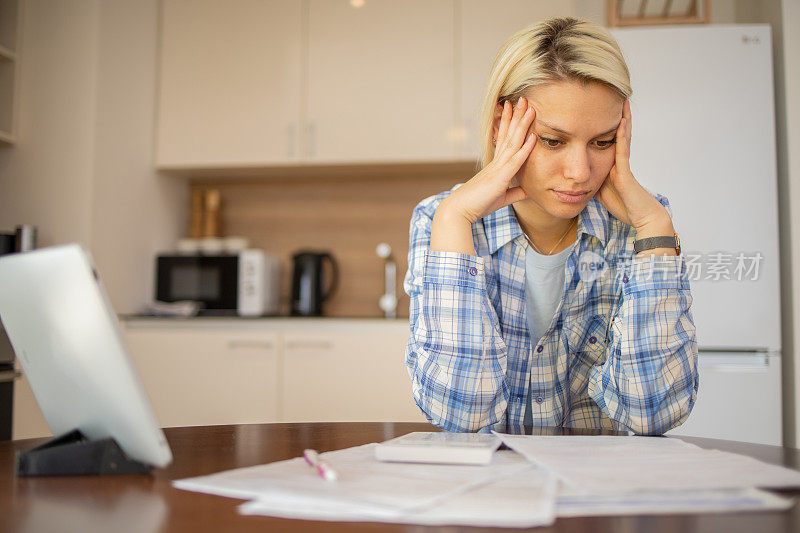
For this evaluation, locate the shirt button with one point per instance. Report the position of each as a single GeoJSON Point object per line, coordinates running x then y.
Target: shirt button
{"type": "Point", "coordinates": [592, 339]}
{"type": "Point", "coordinates": [539, 399]}
{"type": "Point", "coordinates": [625, 278]}
{"type": "Point", "coordinates": [473, 271]}
{"type": "Point", "coordinates": [539, 349]}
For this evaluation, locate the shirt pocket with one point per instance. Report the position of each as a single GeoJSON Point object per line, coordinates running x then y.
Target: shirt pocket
{"type": "Point", "coordinates": [587, 350]}
{"type": "Point", "coordinates": [591, 343]}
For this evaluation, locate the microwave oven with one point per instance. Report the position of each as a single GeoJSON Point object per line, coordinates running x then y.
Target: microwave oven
{"type": "Point", "coordinates": [245, 283]}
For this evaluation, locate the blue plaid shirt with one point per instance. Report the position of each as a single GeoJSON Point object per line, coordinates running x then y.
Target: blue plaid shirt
{"type": "Point", "coordinates": [620, 353]}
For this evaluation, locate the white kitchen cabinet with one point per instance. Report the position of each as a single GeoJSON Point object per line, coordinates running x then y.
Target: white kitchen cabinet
{"type": "Point", "coordinates": [27, 419]}
{"type": "Point", "coordinates": [235, 371]}
{"type": "Point", "coordinates": [381, 81]}
{"type": "Point", "coordinates": [230, 83]}
{"type": "Point", "coordinates": [355, 374]}
{"type": "Point", "coordinates": [197, 376]}
{"type": "Point", "coordinates": [274, 82]}
{"type": "Point", "coordinates": [482, 28]}
{"type": "Point", "coordinates": [258, 83]}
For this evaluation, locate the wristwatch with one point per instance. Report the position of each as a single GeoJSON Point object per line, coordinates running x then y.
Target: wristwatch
{"type": "Point", "coordinates": [658, 242]}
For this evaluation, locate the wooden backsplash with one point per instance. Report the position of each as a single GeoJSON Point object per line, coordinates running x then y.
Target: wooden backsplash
{"type": "Point", "coordinates": [348, 215]}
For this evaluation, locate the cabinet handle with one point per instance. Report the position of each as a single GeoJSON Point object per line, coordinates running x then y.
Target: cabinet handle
{"type": "Point", "coordinates": [309, 345]}
{"type": "Point", "coordinates": [252, 345]}
{"type": "Point", "coordinates": [291, 134]}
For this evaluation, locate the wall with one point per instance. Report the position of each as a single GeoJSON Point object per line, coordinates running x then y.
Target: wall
{"type": "Point", "coordinates": [46, 178]}
{"type": "Point", "coordinates": [82, 170]}
{"type": "Point", "coordinates": [135, 212]}
{"type": "Point", "coordinates": [788, 83]}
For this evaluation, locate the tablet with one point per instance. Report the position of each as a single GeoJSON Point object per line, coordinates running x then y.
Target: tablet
{"type": "Point", "coordinates": [67, 338]}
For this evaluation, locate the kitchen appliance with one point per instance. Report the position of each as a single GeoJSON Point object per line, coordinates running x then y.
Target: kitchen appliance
{"type": "Point", "coordinates": [25, 238]}
{"type": "Point", "coordinates": [700, 95]}
{"type": "Point", "coordinates": [246, 283]}
{"type": "Point", "coordinates": [8, 243]}
{"type": "Point", "coordinates": [8, 374]}
{"type": "Point", "coordinates": [308, 282]}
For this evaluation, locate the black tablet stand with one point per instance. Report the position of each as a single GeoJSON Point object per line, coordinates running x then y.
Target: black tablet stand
{"type": "Point", "coordinates": [73, 454]}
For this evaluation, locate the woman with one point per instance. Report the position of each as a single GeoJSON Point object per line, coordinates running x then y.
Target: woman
{"type": "Point", "coordinates": [548, 289]}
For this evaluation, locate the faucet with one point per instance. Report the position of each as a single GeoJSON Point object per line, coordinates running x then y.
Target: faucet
{"type": "Point", "coordinates": [388, 301]}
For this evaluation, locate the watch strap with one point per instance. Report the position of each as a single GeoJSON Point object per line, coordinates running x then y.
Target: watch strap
{"type": "Point", "coordinates": [657, 242]}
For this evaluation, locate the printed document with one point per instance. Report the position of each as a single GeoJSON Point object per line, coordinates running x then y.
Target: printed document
{"type": "Point", "coordinates": [371, 490]}
{"type": "Point", "coordinates": [610, 464]}
{"type": "Point", "coordinates": [669, 501]}
{"type": "Point", "coordinates": [543, 477]}
{"type": "Point", "coordinates": [522, 499]}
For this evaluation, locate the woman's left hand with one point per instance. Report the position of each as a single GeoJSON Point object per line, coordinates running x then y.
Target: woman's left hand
{"type": "Point", "coordinates": [624, 197]}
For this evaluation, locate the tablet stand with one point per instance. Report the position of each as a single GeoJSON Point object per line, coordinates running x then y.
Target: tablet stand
{"type": "Point", "coordinates": [73, 454]}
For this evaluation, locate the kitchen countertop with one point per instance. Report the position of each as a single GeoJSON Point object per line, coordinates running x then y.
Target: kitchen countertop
{"type": "Point", "coordinates": [136, 321]}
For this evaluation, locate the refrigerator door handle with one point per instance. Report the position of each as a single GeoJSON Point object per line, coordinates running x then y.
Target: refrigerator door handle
{"type": "Point", "coordinates": [735, 360]}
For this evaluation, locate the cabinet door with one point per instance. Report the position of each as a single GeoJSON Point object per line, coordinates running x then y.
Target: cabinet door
{"type": "Point", "coordinates": [483, 27]}
{"type": "Point", "coordinates": [27, 419]}
{"type": "Point", "coordinates": [380, 81]}
{"type": "Point", "coordinates": [230, 81]}
{"type": "Point", "coordinates": [199, 377]}
{"type": "Point", "coordinates": [351, 375]}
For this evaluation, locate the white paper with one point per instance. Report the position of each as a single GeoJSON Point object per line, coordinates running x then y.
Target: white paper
{"type": "Point", "coordinates": [620, 464]}
{"type": "Point", "coordinates": [666, 502]}
{"type": "Point", "coordinates": [522, 499]}
{"type": "Point", "coordinates": [597, 475]}
{"type": "Point", "coordinates": [370, 490]}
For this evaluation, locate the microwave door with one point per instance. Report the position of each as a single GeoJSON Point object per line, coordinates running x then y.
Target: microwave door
{"type": "Point", "coordinates": [210, 280]}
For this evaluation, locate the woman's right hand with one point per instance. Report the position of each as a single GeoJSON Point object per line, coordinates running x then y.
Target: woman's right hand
{"type": "Point", "coordinates": [489, 189]}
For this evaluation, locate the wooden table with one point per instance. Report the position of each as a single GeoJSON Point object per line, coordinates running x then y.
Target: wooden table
{"type": "Point", "coordinates": [148, 503]}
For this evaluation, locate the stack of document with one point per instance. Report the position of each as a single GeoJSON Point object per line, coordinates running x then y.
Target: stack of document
{"type": "Point", "coordinates": [542, 478]}
{"type": "Point", "coordinates": [509, 492]}
{"type": "Point", "coordinates": [601, 475]}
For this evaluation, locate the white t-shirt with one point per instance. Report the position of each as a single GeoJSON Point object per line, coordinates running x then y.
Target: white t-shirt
{"type": "Point", "coordinates": [544, 288]}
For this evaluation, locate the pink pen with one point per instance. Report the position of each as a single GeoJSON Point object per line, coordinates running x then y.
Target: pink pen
{"type": "Point", "coordinates": [323, 468]}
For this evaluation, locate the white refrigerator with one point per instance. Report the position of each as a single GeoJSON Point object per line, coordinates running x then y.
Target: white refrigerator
{"type": "Point", "coordinates": [704, 136]}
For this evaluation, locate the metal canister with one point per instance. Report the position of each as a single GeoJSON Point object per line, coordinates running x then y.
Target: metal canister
{"type": "Point", "coordinates": [26, 238]}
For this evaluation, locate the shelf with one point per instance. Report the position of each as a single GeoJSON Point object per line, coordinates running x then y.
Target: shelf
{"type": "Point", "coordinates": [9, 67]}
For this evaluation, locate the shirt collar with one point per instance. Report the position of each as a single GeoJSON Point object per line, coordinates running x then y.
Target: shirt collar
{"type": "Point", "coordinates": [502, 226]}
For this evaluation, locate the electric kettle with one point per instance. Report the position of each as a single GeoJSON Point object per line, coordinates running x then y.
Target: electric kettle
{"type": "Point", "coordinates": [309, 280]}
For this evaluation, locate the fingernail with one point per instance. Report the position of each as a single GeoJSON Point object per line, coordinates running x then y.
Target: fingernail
{"type": "Point", "coordinates": [521, 102]}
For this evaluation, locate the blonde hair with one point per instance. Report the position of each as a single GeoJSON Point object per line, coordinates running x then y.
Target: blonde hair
{"type": "Point", "coordinates": [557, 49]}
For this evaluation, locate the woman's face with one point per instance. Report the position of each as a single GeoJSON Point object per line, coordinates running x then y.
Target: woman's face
{"type": "Point", "coordinates": [576, 127]}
